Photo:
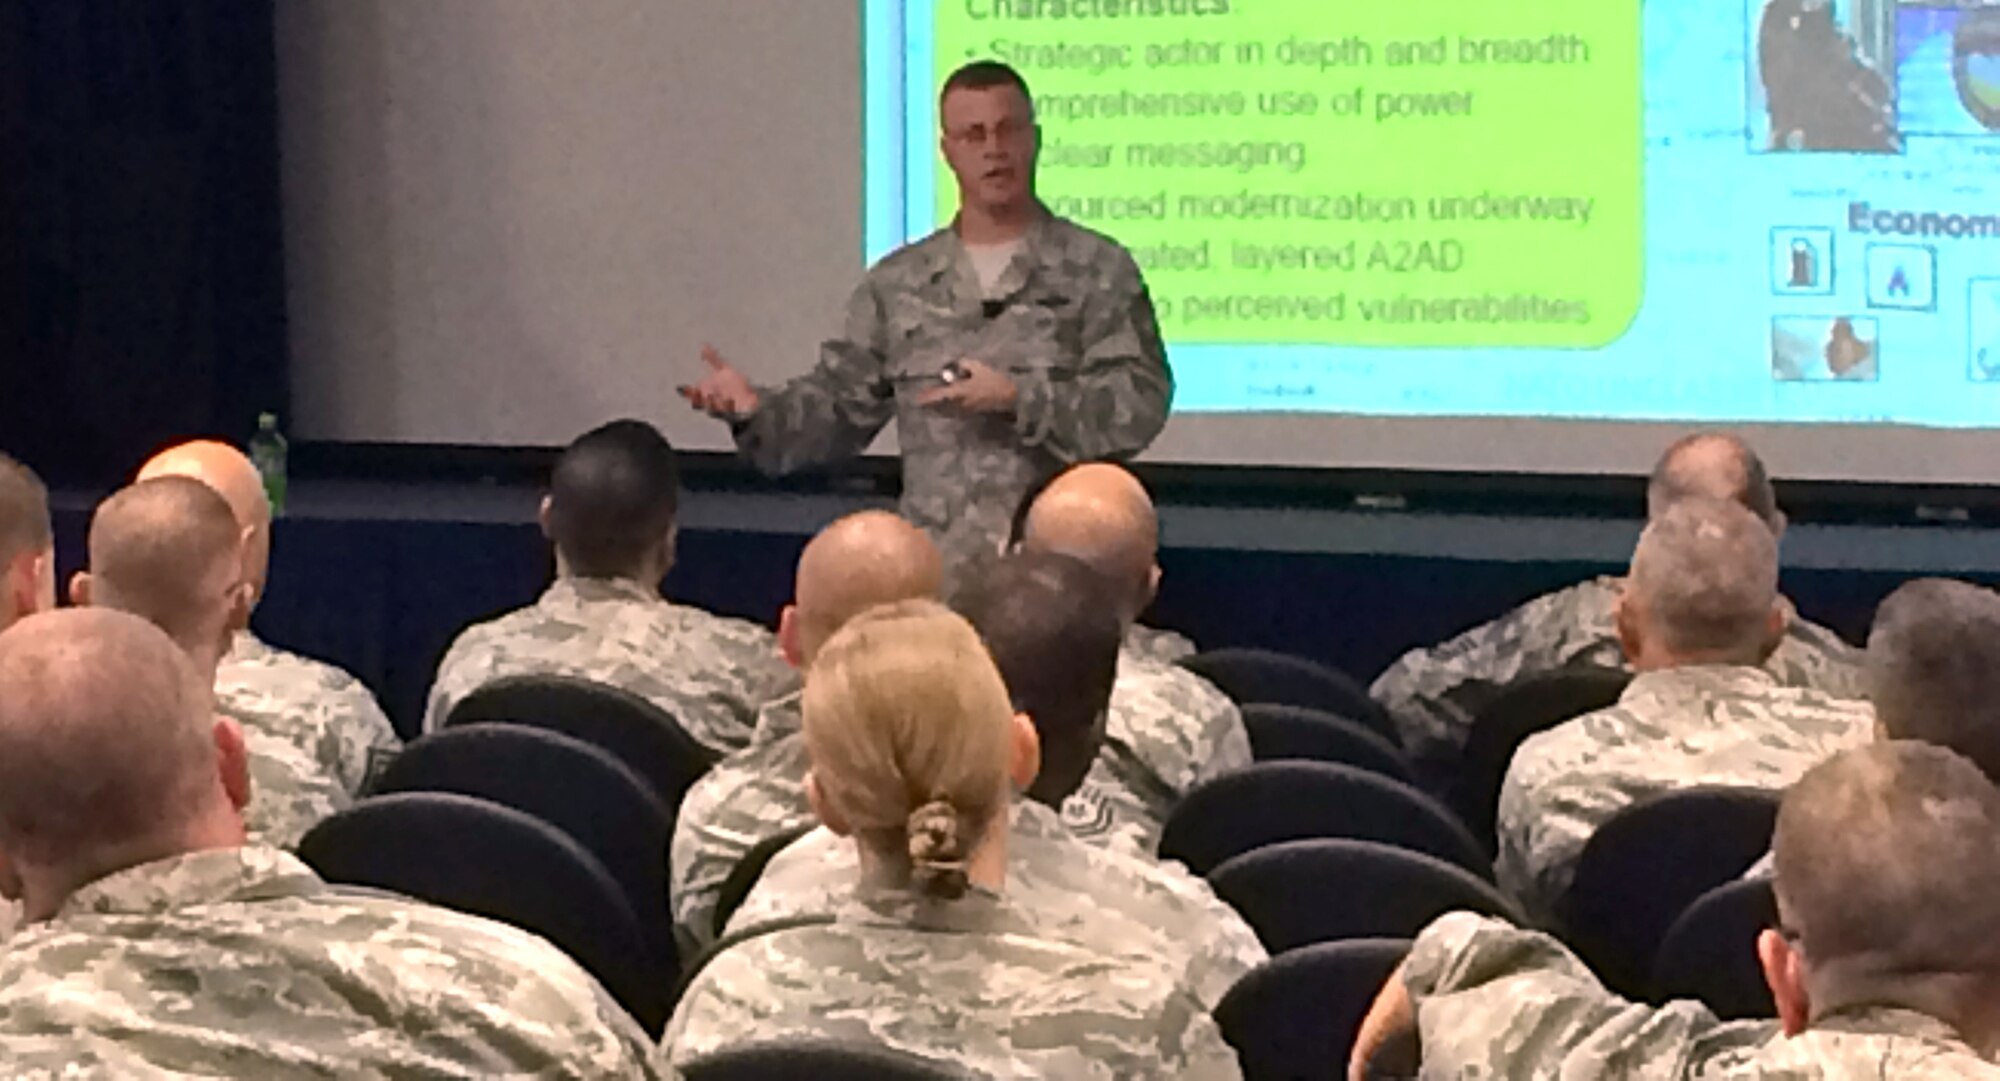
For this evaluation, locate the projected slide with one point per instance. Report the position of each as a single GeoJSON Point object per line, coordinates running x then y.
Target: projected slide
{"type": "Point", "coordinates": [1760, 210]}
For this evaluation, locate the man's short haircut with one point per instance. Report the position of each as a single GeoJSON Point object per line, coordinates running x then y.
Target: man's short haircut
{"type": "Point", "coordinates": [165, 550]}
{"type": "Point", "coordinates": [105, 737]}
{"type": "Point", "coordinates": [1707, 571]}
{"type": "Point", "coordinates": [24, 512]}
{"type": "Point", "coordinates": [1933, 666]}
{"type": "Point", "coordinates": [1051, 624]}
{"type": "Point", "coordinates": [613, 498]}
{"type": "Point", "coordinates": [985, 75]}
{"type": "Point", "coordinates": [1886, 858]}
{"type": "Point", "coordinates": [1713, 465]}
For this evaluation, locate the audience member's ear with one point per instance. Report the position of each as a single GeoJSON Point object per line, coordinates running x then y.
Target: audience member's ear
{"type": "Point", "coordinates": [788, 637]}
{"type": "Point", "coordinates": [44, 575]}
{"type": "Point", "coordinates": [1628, 620]}
{"type": "Point", "coordinates": [232, 761]}
{"type": "Point", "coordinates": [828, 814]}
{"type": "Point", "coordinates": [10, 879]}
{"type": "Point", "coordinates": [1025, 752]}
{"type": "Point", "coordinates": [1775, 625]}
{"type": "Point", "coordinates": [542, 518]}
{"type": "Point", "coordinates": [1152, 585]}
{"type": "Point", "coordinates": [79, 589]}
{"type": "Point", "coordinates": [1784, 974]}
{"type": "Point", "coordinates": [670, 547]}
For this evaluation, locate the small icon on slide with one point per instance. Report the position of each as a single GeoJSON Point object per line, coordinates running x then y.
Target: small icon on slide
{"type": "Point", "coordinates": [1816, 349]}
{"type": "Point", "coordinates": [1983, 331]}
{"type": "Point", "coordinates": [1801, 262]}
{"type": "Point", "coordinates": [1902, 276]}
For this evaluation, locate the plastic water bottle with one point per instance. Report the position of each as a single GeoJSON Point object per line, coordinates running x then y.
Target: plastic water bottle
{"type": "Point", "coordinates": [267, 452]}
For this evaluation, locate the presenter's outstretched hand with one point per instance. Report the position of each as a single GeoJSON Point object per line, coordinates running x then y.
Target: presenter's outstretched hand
{"type": "Point", "coordinates": [725, 393]}
{"type": "Point", "coordinates": [977, 388]}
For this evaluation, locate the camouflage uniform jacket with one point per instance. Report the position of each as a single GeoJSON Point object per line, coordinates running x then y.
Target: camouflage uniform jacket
{"type": "Point", "coordinates": [242, 963]}
{"type": "Point", "coordinates": [1434, 694]}
{"type": "Point", "coordinates": [1075, 331]}
{"type": "Point", "coordinates": [1494, 1001]}
{"type": "Point", "coordinates": [1672, 729]}
{"type": "Point", "coordinates": [1078, 892]}
{"type": "Point", "coordinates": [313, 732]}
{"type": "Point", "coordinates": [1157, 644]}
{"type": "Point", "coordinates": [973, 981]}
{"type": "Point", "coordinates": [709, 672]}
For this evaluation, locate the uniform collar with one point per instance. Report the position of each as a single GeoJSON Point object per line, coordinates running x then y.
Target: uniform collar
{"type": "Point", "coordinates": [248, 873]}
{"type": "Point", "coordinates": [1711, 680]}
{"type": "Point", "coordinates": [572, 589]}
{"type": "Point", "coordinates": [246, 648]}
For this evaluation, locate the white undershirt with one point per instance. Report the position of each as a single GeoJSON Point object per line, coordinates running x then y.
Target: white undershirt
{"type": "Point", "coordinates": [989, 261]}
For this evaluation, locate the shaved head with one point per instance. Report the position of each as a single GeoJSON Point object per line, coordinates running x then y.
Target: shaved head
{"type": "Point", "coordinates": [229, 473]}
{"type": "Point", "coordinates": [1100, 514]}
{"type": "Point", "coordinates": [105, 739]}
{"type": "Point", "coordinates": [168, 551]}
{"type": "Point", "coordinates": [1713, 465]}
{"type": "Point", "coordinates": [1933, 667]}
{"type": "Point", "coordinates": [1704, 584]}
{"type": "Point", "coordinates": [863, 560]}
{"type": "Point", "coordinates": [1888, 870]}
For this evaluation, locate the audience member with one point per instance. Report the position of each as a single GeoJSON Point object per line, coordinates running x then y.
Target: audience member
{"type": "Point", "coordinates": [1169, 729]}
{"type": "Point", "coordinates": [1053, 635]}
{"type": "Point", "coordinates": [1884, 963]}
{"type": "Point", "coordinates": [610, 514]}
{"type": "Point", "coordinates": [325, 715]}
{"type": "Point", "coordinates": [1933, 667]}
{"type": "Point", "coordinates": [27, 544]}
{"type": "Point", "coordinates": [1698, 616]}
{"type": "Point", "coordinates": [160, 943]}
{"type": "Point", "coordinates": [858, 562]}
{"type": "Point", "coordinates": [168, 551]}
{"type": "Point", "coordinates": [1435, 693]}
{"type": "Point", "coordinates": [914, 750]}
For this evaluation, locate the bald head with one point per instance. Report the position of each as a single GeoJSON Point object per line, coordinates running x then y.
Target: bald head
{"type": "Point", "coordinates": [106, 740]}
{"type": "Point", "coordinates": [1933, 667]}
{"type": "Point", "coordinates": [1100, 514]}
{"type": "Point", "coordinates": [168, 551]}
{"type": "Point", "coordinates": [1889, 872]}
{"type": "Point", "coordinates": [1703, 588]}
{"type": "Point", "coordinates": [1713, 465]}
{"type": "Point", "coordinates": [27, 543]}
{"type": "Point", "coordinates": [229, 473]}
{"type": "Point", "coordinates": [860, 561]}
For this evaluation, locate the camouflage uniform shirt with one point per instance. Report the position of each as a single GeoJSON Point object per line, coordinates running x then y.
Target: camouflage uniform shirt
{"type": "Point", "coordinates": [1075, 331]}
{"type": "Point", "coordinates": [974, 982]}
{"type": "Point", "coordinates": [1495, 1001]}
{"type": "Point", "coordinates": [1434, 694]}
{"type": "Point", "coordinates": [1156, 644]}
{"type": "Point", "coordinates": [710, 673]}
{"type": "Point", "coordinates": [1078, 892]}
{"type": "Point", "coordinates": [242, 963]}
{"type": "Point", "coordinates": [1671, 729]}
{"type": "Point", "coordinates": [313, 733]}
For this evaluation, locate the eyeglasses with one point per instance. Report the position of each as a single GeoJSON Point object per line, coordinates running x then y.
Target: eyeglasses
{"type": "Point", "coordinates": [1005, 131]}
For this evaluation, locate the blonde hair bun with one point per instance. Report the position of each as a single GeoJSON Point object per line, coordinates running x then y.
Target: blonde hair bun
{"type": "Point", "coordinates": [937, 850]}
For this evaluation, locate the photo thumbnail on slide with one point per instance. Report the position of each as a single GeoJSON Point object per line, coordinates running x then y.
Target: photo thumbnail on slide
{"type": "Point", "coordinates": [1781, 211]}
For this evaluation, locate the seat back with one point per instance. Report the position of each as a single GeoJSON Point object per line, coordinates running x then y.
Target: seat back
{"type": "Point", "coordinates": [1642, 869]}
{"type": "Point", "coordinates": [1294, 1017]}
{"type": "Point", "coordinates": [743, 877]}
{"type": "Point", "coordinates": [1532, 705]}
{"type": "Point", "coordinates": [476, 856]}
{"type": "Point", "coordinates": [818, 1060]}
{"type": "Point", "coordinates": [1270, 802]}
{"type": "Point", "coordinates": [1261, 676]}
{"type": "Point", "coordinates": [577, 787]}
{"type": "Point", "coordinates": [1282, 732]}
{"type": "Point", "coordinates": [1710, 953]}
{"type": "Point", "coordinates": [641, 734]}
{"type": "Point", "coordinates": [1303, 892]}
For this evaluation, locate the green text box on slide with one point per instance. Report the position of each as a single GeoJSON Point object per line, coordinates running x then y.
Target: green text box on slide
{"type": "Point", "coordinates": [1413, 173]}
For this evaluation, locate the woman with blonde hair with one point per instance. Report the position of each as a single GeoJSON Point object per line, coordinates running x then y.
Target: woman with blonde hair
{"type": "Point", "coordinates": [916, 754]}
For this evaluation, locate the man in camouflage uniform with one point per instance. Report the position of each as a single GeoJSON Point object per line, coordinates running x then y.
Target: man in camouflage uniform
{"type": "Point", "coordinates": [1699, 614]}
{"type": "Point", "coordinates": [1003, 346]}
{"type": "Point", "coordinates": [160, 943]}
{"type": "Point", "coordinates": [1054, 635]}
{"type": "Point", "coordinates": [860, 561]}
{"type": "Point", "coordinates": [610, 514]}
{"type": "Point", "coordinates": [1435, 693]}
{"type": "Point", "coordinates": [319, 721]}
{"type": "Point", "coordinates": [1884, 964]}
{"type": "Point", "coordinates": [168, 550]}
{"type": "Point", "coordinates": [1169, 729]}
